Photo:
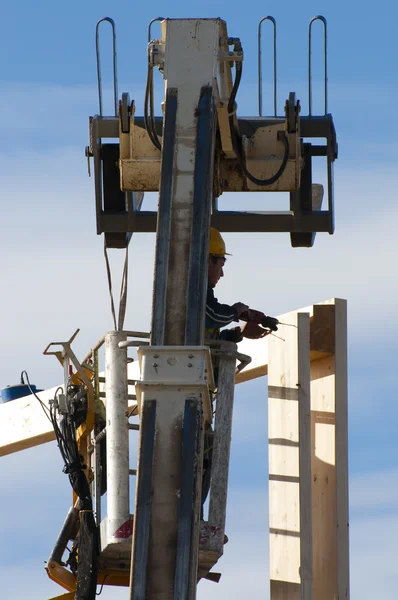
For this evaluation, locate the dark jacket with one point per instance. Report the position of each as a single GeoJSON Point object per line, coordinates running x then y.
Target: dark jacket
{"type": "Point", "coordinates": [219, 315]}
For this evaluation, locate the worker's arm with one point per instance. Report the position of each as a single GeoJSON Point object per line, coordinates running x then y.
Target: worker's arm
{"type": "Point", "coordinates": [258, 317]}
{"type": "Point", "coordinates": [250, 330]}
{"type": "Point", "coordinates": [219, 315]}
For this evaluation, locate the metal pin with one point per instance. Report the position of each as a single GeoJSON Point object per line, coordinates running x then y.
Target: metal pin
{"type": "Point", "coordinates": [279, 338]}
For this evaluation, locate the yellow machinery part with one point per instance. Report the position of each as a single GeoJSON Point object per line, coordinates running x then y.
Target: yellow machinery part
{"type": "Point", "coordinates": [62, 576]}
{"type": "Point", "coordinates": [67, 596]}
{"type": "Point", "coordinates": [67, 580]}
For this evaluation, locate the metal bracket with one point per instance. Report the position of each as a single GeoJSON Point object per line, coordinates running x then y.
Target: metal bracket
{"type": "Point", "coordinates": [64, 357]}
{"type": "Point", "coordinates": [119, 213]}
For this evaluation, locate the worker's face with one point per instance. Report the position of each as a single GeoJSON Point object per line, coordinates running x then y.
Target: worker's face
{"type": "Point", "coordinates": [215, 270]}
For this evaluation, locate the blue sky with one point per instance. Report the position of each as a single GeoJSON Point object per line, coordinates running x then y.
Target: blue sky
{"type": "Point", "coordinates": [54, 277]}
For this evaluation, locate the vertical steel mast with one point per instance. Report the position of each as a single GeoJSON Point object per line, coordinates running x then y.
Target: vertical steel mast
{"type": "Point", "coordinates": [167, 512]}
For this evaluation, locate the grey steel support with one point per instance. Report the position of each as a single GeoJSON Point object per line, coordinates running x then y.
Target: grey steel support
{"type": "Point", "coordinates": [186, 560]}
{"type": "Point", "coordinates": [203, 190]}
{"type": "Point", "coordinates": [139, 555]}
{"type": "Point", "coordinates": [301, 202]}
{"type": "Point", "coordinates": [331, 155]}
{"type": "Point", "coordinates": [164, 221]}
{"type": "Point", "coordinates": [185, 194]}
{"type": "Point", "coordinates": [222, 445]}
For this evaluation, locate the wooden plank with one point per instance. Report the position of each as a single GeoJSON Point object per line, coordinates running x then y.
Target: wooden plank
{"type": "Point", "coordinates": [329, 458]}
{"type": "Point", "coordinates": [252, 373]}
{"type": "Point", "coordinates": [290, 461]}
{"type": "Point", "coordinates": [321, 342]}
{"type": "Point", "coordinates": [330, 464]}
{"type": "Point", "coordinates": [342, 479]}
{"type": "Point", "coordinates": [258, 350]}
{"type": "Point", "coordinates": [323, 427]}
{"type": "Point", "coordinates": [23, 423]}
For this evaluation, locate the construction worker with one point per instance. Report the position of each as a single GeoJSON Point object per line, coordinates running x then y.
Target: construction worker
{"type": "Point", "coordinates": [220, 315]}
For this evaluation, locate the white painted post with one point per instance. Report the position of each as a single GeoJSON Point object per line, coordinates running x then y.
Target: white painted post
{"type": "Point", "coordinates": [117, 438]}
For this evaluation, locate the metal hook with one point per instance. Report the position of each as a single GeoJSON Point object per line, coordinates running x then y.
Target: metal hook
{"type": "Point", "coordinates": [150, 27]}
{"type": "Point", "coordinates": [115, 93]}
{"type": "Point", "coordinates": [317, 18]}
{"type": "Point", "coordinates": [260, 74]}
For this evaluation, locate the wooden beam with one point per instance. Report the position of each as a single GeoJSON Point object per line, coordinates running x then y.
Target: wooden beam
{"type": "Point", "coordinates": [258, 350]}
{"type": "Point", "coordinates": [290, 461]}
{"type": "Point", "coordinates": [320, 341]}
{"type": "Point", "coordinates": [23, 423]}
{"type": "Point", "coordinates": [329, 459]}
{"type": "Point", "coordinates": [326, 492]}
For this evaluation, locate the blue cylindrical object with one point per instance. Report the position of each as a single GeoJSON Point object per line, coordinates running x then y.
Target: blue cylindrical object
{"type": "Point", "coordinates": [12, 392]}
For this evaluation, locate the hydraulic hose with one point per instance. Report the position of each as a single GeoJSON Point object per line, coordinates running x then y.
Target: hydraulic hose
{"type": "Point", "coordinates": [237, 143]}
{"type": "Point", "coordinates": [149, 119]}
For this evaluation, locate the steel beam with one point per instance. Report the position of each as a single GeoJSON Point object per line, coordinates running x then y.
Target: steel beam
{"type": "Point", "coordinates": [178, 310]}
{"type": "Point", "coordinates": [186, 564]}
{"type": "Point", "coordinates": [164, 222]}
{"type": "Point", "coordinates": [143, 504]}
{"type": "Point", "coordinates": [201, 208]}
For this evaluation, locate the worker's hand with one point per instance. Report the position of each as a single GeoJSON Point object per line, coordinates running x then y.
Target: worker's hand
{"type": "Point", "coordinates": [255, 315]}
{"type": "Point", "coordinates": [253, 331]}
{"type": "Point", "coordinates": [270, 323]}
{"type": "Point", "coordinates": [240, 308]}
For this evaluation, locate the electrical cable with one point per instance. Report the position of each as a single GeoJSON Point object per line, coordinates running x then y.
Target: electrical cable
{"type": "Point", "coordinates": [102, 586]}
{"type": "Point", "coordinates": [123, 290]}
{"type": "Point", "coordinates": [65, 434]}
{"type": "Point", "coordinates": [237, 142]}
{"type": "Point", "coordinates": [43, 406]}
{"type": "Point", "coordinates": [152, 111]}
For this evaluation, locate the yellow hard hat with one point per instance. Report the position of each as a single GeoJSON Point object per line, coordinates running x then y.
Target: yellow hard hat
{"type": "Point", "coordinates": [217, 244]}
